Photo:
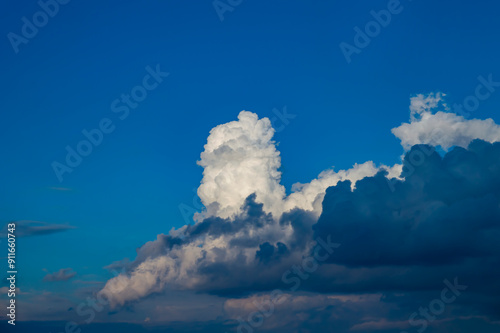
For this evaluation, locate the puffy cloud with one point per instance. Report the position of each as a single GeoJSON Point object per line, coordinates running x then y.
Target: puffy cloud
{"type": "Point", "coordinates": [216, 255]}
{"type": "Point", "coordinates": [310, 196]}
{"type": "Point", "coordinates": [240, 159]}
{"type": "Point", "coordinates": [429, 125]}
{"type": "Point", "coordinates": [422, 104]}
{"type": "Point", "coordinates": [248, 221]}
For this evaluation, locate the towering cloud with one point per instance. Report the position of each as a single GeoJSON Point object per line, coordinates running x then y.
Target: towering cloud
{"type": "Point", "coordinates": [247, 221]}
{"type": "Point", "coordinates": [240, 158]}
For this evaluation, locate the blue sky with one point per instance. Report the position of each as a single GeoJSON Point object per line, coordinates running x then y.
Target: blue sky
{"type": "Point", "coordinates": [263, 56]}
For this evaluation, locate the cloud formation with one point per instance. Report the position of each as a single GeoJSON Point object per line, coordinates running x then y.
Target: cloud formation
{"type": "Point", "coordinates": [399, 238]}
{"type": "Point", "coordinates": [240, 159]}
{"type": "Point", "coordinates": [247, 216]}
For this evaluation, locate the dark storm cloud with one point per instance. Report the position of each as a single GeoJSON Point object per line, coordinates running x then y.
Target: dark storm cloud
{"type": "Point", "coordinates": [268, 253]}
{"type": "Point", "coordinates": [301, 221]}
{"type": "Point", "coordinates": [445, 211]}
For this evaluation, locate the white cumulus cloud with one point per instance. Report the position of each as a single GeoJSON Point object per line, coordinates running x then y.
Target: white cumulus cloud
{"type": "Point", "coordinates": [240, 158]}
{"type": "Point", "coordinates": [430, 123]}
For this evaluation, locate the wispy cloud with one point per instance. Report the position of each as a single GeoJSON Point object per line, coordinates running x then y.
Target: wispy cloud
{"type": "Point", "coordinates": [64, 274]}
{"type": "Point", "coordinates": [25, 228]}
{"type": "Point", "coordinates": [64, 189]}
